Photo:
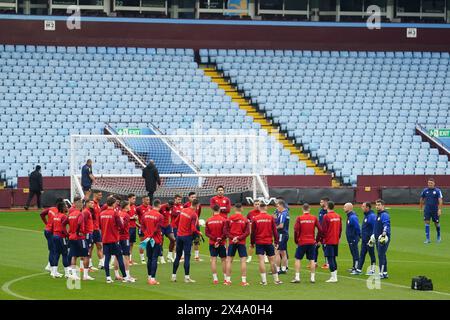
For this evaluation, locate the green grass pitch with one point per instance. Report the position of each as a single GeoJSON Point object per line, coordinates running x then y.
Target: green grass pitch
{"type": "Point", "coordinates": [23, 255]}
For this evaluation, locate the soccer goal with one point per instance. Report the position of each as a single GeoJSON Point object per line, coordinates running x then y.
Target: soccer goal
{"type": "Point", "coordinates": [185, 163]}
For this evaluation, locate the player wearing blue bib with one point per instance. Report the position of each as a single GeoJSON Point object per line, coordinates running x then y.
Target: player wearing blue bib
{"type": "Point", "coordinates": [366, 231]}
{"type": "Point", "coordinates": [353, 233]}
{"type": "Point", "coordinates": [282, 222]}
{"type": "Point", "coordinates": [431, 197]}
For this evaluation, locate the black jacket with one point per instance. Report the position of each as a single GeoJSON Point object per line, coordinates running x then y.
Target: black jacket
{"type": "Point", "coordinates": [35, 180]}
{"type": "Point", "coordinates": [151, 176]}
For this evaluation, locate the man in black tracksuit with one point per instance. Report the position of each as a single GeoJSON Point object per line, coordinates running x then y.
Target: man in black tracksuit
{"type": "Point", "coordinates": [35, 180]}
{"type": "Point", "coordinates": [151, 176]}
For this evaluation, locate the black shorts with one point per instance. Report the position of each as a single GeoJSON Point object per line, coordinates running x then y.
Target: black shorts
{"type": "Point", "coordinates": [330, 250]}
{"type": "Point", "coordinates": [89, 239]}
{"type": "Point", "coordinates": [221, 251]}
{"type": "Point", "coordinates": [240, 248]}
{"type": "Point", "coordinates": [112, 249]}
{"type": "Point", "coordinates": [97, 236]}
{"type": "Point", "coordinates": [267, 249]}
{"type": "Point", "coordinates": [427, 216]}
{"type": "Point", "coordinates": [283, 241]}
{"type": "Point", "coordinates": [125, 247]}
{"type": "Point", "coordinates": [308, 249]}
{"type": "Point", "coordinates": [132, 232]}
{"type": "Point", "coordinates": [78, 248]}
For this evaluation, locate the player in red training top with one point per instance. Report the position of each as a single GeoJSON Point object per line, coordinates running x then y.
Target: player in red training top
{"type": "Point", "coordinates": [77, 239]}
{"type": "Point", "coordinates": [223, 202]}
{"type": "Point", "coordinates": [47, 217]}
{"type": "Point", "coordinates": [96, 235]}
{"type": "Point", "coordinates": [152, 223]}
{"type": "Point", "coordinates": [59, 231]}
{"type": "Point", "coordinates": [110, 226]}
{"type": "Point", "coordinates": [187, 223]}
{"type": "Point", "coordinates": [133, 219]}
{"type": "Point", "coordinates": [305, 238]}
{"type": "Point", "coordinates": [88, 211]}
{"type": "Point", "coordinates": [166, 211]}
{"type": "Point", "coordinates": [237, 229]}
{"type": "Point", "coordinates": [191, 197]}
{"type": "Point", "coordinates": [124, 240]}
{"type": "Point", "coordinates": [215, 231]}
{"type": "Point", "coordinates": [140, 211]}
{"type": "Point", "coordinates": [330, 236]}
{"type": "Point", "coordinates": [264, 232]}
{"type": "Point", "coordinates": [250, 216]}
{"type": "Point", "coordinates": [177, 207]}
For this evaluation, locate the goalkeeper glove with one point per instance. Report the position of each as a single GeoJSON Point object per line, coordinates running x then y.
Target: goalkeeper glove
{"type": "Point", "coordinates": [383, 239]}
{"type": "Point", "coordinates": [371, 242]}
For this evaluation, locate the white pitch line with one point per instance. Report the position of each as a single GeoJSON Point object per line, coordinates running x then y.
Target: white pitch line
{"type": "Point", "coordinates": [7, 290]}
{"type": "Point", "coordinates": [352, 278]}
{"type": "Point", "coordinates": [21, 229]}
{"type": "Point", "coordinates": [408, 261]}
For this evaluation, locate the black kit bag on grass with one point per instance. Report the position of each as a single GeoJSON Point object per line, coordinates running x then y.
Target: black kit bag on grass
{"type": "Point", "coordinates": [421, 283]}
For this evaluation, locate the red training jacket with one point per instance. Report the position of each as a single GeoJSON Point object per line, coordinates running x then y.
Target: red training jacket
{"type": "Point", "coordinates": [237, 226]}
{"type": "Point", "coordinates": [304, 229]}
{"type": "Point", "coordinates": [264, 229]}
{"type": "Point", "coordinates": [215, 229]}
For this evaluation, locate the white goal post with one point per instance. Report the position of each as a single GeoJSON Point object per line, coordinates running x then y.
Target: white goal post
{"type": "Point", "coordinates": [185, 163]}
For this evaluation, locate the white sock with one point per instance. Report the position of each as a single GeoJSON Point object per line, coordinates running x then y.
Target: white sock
{"type": "Point", "coordinates": [67, 271]}
{"type": "Point", "coordinates": [101, 262]}
{"type": "Point", "coordinates": [197, 253]}
{"type": "Point", "coordinates": [278, 269]}
{"type": "Point", "coordinates": [174, 276]}
{"type": "Point", "coordinates": [74, 270]}
{"type": "Point", "coordinates": [54, 270]}
{"type": "Point", "coordinates": [81, 264]}
{"type": "Point", "coordinates": [116, 273]}
{"type": "Point", "coordinates": [244, 279]}
{"type": "Point", "coordinates": [169, 255]}
{"type": "Point", "coordinates": [149, 278]}
{"type": "Point", "coordinates": [127, 272]}
{"type": "Point", "coordinates": [263, 277]}
{"type": "Point", "coordinates": [224, 276]}
{"type": "Point", "coordinates": [90, 263]}
{"type": "Point", "coordinates": [215, 278]}
{"type": "Point", "coordinates": [313, 276]}
{"type": "Point", "coordinates": [48, 265]}
{"type": "Point", "coordinates": [297, 276]}
{"type": "Point", "coordinates": [187, 277]}
{"type": "Point", "coordinates": [275, 276]}
{"type": "Point", "coordinates": [283, 268]}
{"type": "Point", "coordinates": [142, 256]}
{"type": "Point", "coordinates": [228, 278]}
{"type": "Point", "coordinates": [85, 273]}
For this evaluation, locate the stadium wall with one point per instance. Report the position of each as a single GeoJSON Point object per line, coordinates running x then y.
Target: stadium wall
{"type": "Point", "coordinates": [402, 189]}
{"type": "Point", "coordinates": [196, 34]}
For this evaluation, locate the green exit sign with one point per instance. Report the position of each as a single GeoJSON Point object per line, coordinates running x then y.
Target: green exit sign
{"type": "Point", "coordinates": [440, 133]}
{"type": "Point", "coordinates": [129, 131]}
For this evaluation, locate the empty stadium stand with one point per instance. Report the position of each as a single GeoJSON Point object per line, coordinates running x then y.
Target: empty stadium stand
{"type": "Point", "coordinates": [355, 112]}
{"type": "Point", "coordinates": [48, 93]}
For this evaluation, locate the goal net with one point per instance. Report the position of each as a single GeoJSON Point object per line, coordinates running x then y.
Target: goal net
{"type": "Point", "coordinates": [185, 163]}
